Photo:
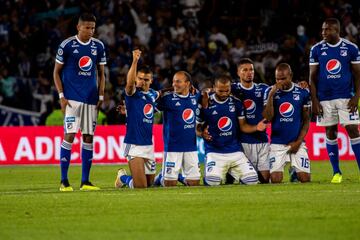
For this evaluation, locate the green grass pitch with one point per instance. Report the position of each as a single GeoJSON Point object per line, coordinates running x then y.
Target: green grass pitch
{"type": "Point", "coordinates": [31, 207]}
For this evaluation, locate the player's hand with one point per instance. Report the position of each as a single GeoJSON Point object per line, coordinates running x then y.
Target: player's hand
{"type": "Point", "coordinates": [98, 105]}
{"type": "Point", "coordinates": [192, 89]}
{"type": "Point", "coordinates": [205, 98]}
{"type": "Point", "coordinates": [353, 104]}
{"type": "Point", "coordinates": [63, 103]}
{"type": "Point", "coordinates": [303, 84]}
{"type": "Point", "coordinates": [316, 107]}
{"type": "Point", "coordinates": [294, 147]}
{"type": "Point", "coordinates": [121, 109]}
{"type": "Point", "coordinates": [136, 54]}
{"type": "Point", "coordinates": [205, 134]}
{"type": "Point", "coordinates": [261, 126]}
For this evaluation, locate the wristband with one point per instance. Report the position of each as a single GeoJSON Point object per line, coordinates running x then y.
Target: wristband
{"type": "Point", "coordinates": [101, 98]}
{"type": "Point", "coordinates": [61, 95]}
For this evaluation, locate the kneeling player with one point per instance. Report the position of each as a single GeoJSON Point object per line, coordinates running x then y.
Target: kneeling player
{"type": "Point", "coordinates": [219, 124]}
{"type": "Point", "coordinates": [287, 107]}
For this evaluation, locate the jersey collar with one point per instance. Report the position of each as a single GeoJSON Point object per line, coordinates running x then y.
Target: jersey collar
{"type": "Point", "coordinates": [290, 89]}
{"type": "Point", "coordinates": [220, 102]}
{"type": "Point", "coordinates": [335, 45]}
{"type": "Point", "coordinates": [181, 96]}
{"type": "Point", "coordinates": [82, 43]}
{"type": "Point", "coordinates": [249, 88]}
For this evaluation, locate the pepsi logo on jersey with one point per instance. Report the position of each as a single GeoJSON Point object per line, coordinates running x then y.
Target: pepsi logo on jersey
{"type": "Point", "coordinates": [286, 110]}
{"type": "Point", "coordinates": [333, 66]}
{"type": "Point", "coordinates": [225, 125]}
{"type": "Point", "coordinates": [250, 107]}
{"type": "Point", "coordinates": [85, 65]}
{"type": "Point", "coordinates": [148, 111]}
{"type": "Point", "coordinates": [188, 116]}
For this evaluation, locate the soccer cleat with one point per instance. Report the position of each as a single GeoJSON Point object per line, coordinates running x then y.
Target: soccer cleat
{"type": "Point", "coordinates": [337, 178]}
{"type": "Point", "coordinates": [293, 175]}
{"type": "Point", "coordinates": [118, 183]}
{"type": "Point", "coordinates": [88, 186]}
{"type": "Point", "coordinates": [65, 186]}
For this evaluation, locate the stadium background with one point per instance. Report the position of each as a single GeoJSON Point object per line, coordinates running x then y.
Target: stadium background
{"type": "Point", "coordinates": [203, 37]}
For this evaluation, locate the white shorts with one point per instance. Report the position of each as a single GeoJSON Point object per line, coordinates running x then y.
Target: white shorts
{"type": "Point", "coordinates": [142, 151]}
{"type": "Point", "coordinates": [336, 111]}
{"type": "Point", "coordinates": [80, 116]}
{"type": "Point", "coordinates": [258, 154]}
{"type": "Point", "coordinates": [188, 162]}
{"type": "Point", "coordinates": [278, 158]}
{"type": "Point", "coordinates": [237, 164]}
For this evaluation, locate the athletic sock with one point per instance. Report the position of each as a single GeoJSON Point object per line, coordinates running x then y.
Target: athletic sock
{"type": "Point", "coordinates": [355, 144]}
{"type": "Point", "coordinates": [86, 158]}
{"type": "Point", "coordinates": [333, 152]}
{"type": "Point", "coordinates": [65, 157]}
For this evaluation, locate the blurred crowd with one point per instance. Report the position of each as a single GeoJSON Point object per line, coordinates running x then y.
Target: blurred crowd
{"type": "Point", "coordinates": [203, 37]}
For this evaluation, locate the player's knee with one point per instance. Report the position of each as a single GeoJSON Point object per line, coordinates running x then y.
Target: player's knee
{"type": "Point", "coordinates": [212, 180]}
{"type": "Point", "coordinates": [303, 177]}
{"type": "Point", "coordinates": [250, 179]}
{"type": "Point", "coordinates": [276, 177]}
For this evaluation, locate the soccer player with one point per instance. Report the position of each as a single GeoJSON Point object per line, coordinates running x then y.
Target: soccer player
{"type": "Point", "coordinates": [179, 114]}
{"type": "Point", "coordinates": [287, 107]}
{"type": "Point", "coordinates": [219, 124]}
{"type": "Point", "coordinates": [255, 144]}
{"type": "Point", "coordinates": [139, 149]}
{"type": "Point", "coordinates": [80, 81]}
{"type": "Point", "coordinates": [335, 90]}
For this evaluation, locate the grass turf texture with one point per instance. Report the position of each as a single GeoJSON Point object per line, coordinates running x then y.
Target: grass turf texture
{"type": "Point", "coordinates": [31, 207]}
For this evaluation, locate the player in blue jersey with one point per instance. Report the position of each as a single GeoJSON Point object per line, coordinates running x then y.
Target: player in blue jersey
{"type": "Point", "coordinates": [287, 107]}
{"type": "Point", "coordinates": [255, 145]}
{"type": "Point", "coordinates": [335, 90]}
{"type": "Point", "coordinates": [220, 124]}
{"type": "Point", "coordinates": [179, 114]}
{"type": "Point", "coordinates": [80, 81]}
{"type": "Point", "coordinates": [139, 150]}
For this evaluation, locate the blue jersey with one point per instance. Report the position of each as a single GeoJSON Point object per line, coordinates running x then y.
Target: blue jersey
{"type": "Point", "coordinates": [253, 102]}
{"type": "Point", "coordinates": [140, 117]}
{"type": "Point", "coordinates": [79, 75]}
{"type": "Point", "coordinates": [334, 75]}
{"type": "Point", "coordinates": [288, 105]}
{"type": "Point", "coordinates": [179, 114]}
{"type": "Point", "coordinates": [223, 121]}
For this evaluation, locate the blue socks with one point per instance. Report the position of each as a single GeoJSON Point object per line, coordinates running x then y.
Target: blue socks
{"type": "Point", "coordinates": [333, 152]}
{"type": "Point", "coordinates": [355, 144]}
{"type": "Point", "coordinates": [127, 180]}
{"type": "Point", "coordinates": [86, 158]}
{"type": "Point", "coordinates": [65, 155]}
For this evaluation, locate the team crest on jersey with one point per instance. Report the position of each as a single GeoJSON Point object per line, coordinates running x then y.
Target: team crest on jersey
{"type": "Point", "coordinates": [286, 109]}
{"type": "Point", "coordinates": [148, 111]}
{"type": "Point", "coordinates": [188, 116]}
{"type": "Point", "coordinates": [296, 97]}
{"type": "Point", "coordinates": [193, 101]}
{"type": "Point", "coordinates": [333, 66]}
{"type": "Point", "coordinates": [224, 124]}
{"type": "Point", "coordinates": [257, 94]}
{"type": "Point", "coordinates": [94, 52]}
{"type": "Point", "coordinates": [231, 108]}
{"type": "Point", "coordinates": [343, 53]}
{"type": "Point", "coordinates": [85, 63]}
{"type": "Point", "coordinates": [250, 106]}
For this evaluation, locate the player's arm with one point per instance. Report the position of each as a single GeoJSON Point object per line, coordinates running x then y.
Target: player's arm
{"type": "Point", "coordinates": [316, 107]}
{"type": "Point", "coordinates": [248, 128]}
{"type": "Point", "coordinates": [353, 103]}
{"type": "Point", "coordinates": [294, 146]}
{"type": "Point", "coordinates": [268, 112]}
{"type": "Point", "coordinates": [59, 87]}
{"type": "Point", "coordinates": [101, 77]}
{"type": "Point", "coordinates": [131, 75]}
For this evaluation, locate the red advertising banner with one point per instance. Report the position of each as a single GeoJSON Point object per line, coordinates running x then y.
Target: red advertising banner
{"type": "Point", "coordinates": [41, 145]}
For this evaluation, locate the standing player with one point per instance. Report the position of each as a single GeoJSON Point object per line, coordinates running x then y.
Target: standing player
{"type": "Point", "coordinates": [287, 106]}
{"type": "Point", "coordinates": [179, 113]}
{"type": "Point", "coordinates": [335, 90]}
{"type": "Point", "coordinates": [139, 149]}
{"type": "Point", "coordinates": [80, 81]}
{"type": "Point", "coordinates": [255, 145]}
{"type": "Point", "coordinates": [219, 124]}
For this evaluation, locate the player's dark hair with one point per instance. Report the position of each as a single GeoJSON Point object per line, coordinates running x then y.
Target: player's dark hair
{"type": "Point", "coordinates": [224, 79]}
{"type": "Point", "coordinates": [333, 21]}
{"type": "Point", "coordinates": [187, 76]}
{"type": "Point", "coordinates": [87, 17]}
{"type": "Point", "coordinates": [245, 61]}
{"type": "Point", "coordinates": [145, 69]}
{"type": "Point", "coordinates": [283, 67]}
